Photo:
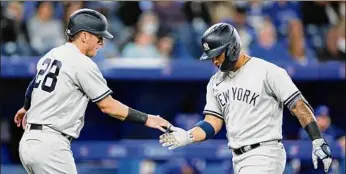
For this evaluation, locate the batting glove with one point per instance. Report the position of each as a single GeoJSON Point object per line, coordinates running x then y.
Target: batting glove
{"type": "Point", "coordinates": [321, 151]}
{"type": "Point", "coordinates": [177, 137]}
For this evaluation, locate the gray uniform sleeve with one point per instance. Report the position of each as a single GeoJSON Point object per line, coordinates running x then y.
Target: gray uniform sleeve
{"type": "Point", "coordinates": [212, 107]}
{"type": "Point", "coordinates": [281, 85]}
{"type": "Point", "coordinates": [92, 83]}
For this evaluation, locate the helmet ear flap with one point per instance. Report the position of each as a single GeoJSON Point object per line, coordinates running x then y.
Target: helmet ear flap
{"type": "Point", "coordinates": [233, 51]}
{"type": "Point", "coordinates": [227, 52]}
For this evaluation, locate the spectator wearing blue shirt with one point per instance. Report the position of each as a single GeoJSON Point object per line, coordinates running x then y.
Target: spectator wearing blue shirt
{"type": "Point", "coordinates": [286, 16]}
{"type": "Point", "coordinates": [255, 12]}
{"type": "Point", "coordinates": [267, 46]}
{"type": "Point", "coordinates": [330, 132]}
{"type": "Point", "coordinates": [282, 13]}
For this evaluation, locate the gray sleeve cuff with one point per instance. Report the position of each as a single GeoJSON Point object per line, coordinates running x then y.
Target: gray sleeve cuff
{"type": "Point", "coordinates": [102, 96]}
{"type": "Point", "coordinates": [213, 113]}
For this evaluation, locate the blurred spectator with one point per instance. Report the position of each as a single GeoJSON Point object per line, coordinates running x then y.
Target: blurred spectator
{"type": "Point", "coordinates": [170, 13]}
{"type": "Point", "coordinates": [69, 8]}
{"type": "Point", "coordinates": [44, 31]}
{"type": "Point", "coordinates": [330, 132]}
{"type": "Point", "coordinates": [283, 13]}
{"type": "Point", "coordinates": [165, 44]}
{"type": "Point", "coordinates": [122, 32]}
{"type": "Point", "coordinates": [239, 21]}
{"type": "Point", "coordinates": [323, 23]}
{"type": "Point", "coordinates": [197, 14]}
{"type": "Point", "coordinates": [14, 38]}
{"type": "Point", "coordinates": [336, 42]}
{"type": "Point", "coordinates": [129, 12]}
{"type": "Point", "coordinates": [267, 46]}
{"type": "Point", "coordinates": [325, 26]}
{"type": "Point", "coordinates": [336, 34]}
{"type": "Point", "coordinates": [220, 10]}
{"type": "Point", "coordinates": [143, 45]}
{"type": "Point", "coordinates": [171, 16]}
{"type": "Point", "coordinates": [198, 20]}
{"type": "Point", "coordinates": [149, 23]}
{"type": "Point", "coordinates": [255, 13]}
{"type": "Point", "coordinates": [286, 16]}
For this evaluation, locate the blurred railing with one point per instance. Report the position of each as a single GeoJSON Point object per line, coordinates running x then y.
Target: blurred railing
{"type": "Point", "coordinates": [126, 156]}
{"type": "Point", "coordinates": [180, 69]}
{"type": "Point", "coordinates": [212, 149]}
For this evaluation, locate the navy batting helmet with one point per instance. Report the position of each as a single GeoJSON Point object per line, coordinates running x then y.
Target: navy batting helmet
{"type": "Point", "coordinates": [88, 20]}
{"type": "Point", "coordinates": [219, 38]}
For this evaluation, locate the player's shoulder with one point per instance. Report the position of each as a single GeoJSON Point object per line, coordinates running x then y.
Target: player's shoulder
{"type": "Point", "coordinates": [265, 65]}
{"type": "Point", "coordinates": [86, 61]}
{"type": "Point", "coordinates": [49, 54]}
{"type": "Point", "coordinates": [217, 77]}
{"type": "Point", "coordinates": [76, 57]}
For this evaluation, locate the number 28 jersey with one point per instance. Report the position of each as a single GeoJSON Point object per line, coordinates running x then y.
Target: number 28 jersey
{"type": "Point", "coordinates": [65, 81]}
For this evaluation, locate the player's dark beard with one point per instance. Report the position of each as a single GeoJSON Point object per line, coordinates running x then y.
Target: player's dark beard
{"type": "Point", "coordinates": [227, 65]}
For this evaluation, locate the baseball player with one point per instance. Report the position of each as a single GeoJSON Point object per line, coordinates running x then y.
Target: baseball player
{"type": "Point", "coordinates": [57, 98]}
{"type": "Point", "coordinates": [248, 94]}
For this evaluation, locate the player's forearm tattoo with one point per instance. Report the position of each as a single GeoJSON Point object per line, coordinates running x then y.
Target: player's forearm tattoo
{"type": "Point", "coordinates": [302, 111]}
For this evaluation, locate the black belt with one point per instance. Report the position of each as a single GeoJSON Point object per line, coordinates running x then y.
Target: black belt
{"type": "Point", "coordinates": [247, 148]}
{"type": "Point", "coordinates": [40, 126]}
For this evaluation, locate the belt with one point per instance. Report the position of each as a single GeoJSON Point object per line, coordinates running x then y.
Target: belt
{"type": "Point", "coordinates": [247, 148]}
{"type": "Point", "coordinates": [40, 127]}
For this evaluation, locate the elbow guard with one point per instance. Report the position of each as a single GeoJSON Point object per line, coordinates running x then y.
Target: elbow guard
{"type": "Point", "coordinates": [207, 128]}
{"type": "Point", "coordinates": [27, 103]}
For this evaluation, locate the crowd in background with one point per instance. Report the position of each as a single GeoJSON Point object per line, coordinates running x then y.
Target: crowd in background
{"type": "Point", "coordinates": [301, 32]}
{"type": "Point", "coordinates": [298, 32]}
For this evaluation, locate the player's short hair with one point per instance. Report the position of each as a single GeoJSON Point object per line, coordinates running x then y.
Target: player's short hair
{"type": "Point", "coordinates": [73, 37]}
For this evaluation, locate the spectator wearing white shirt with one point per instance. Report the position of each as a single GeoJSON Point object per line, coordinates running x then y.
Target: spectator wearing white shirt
{"type": "Point", "coordinates": [44, 31]}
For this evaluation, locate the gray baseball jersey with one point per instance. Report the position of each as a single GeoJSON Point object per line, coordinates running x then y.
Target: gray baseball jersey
{"type": "Point", "coordinates": [250, 101]}
{"type": "Point", "coordinates": [65, 82]}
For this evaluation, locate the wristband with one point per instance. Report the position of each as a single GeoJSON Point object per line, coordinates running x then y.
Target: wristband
{"type": "Point", "coordinates": [207, 128]}
{"type": "Point", "coordinates": [136, 116]}
{"type": "Point", "coordinates": [313, 130]}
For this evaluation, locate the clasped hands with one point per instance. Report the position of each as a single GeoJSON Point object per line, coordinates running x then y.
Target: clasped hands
{"type": "Point", "coordinates": [176, 137]}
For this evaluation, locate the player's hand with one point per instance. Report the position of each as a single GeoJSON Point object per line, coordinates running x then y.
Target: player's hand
{"type": "Point", "coordinates": [321, 151]}
{"type": "Point", "coordinates": [176, 137]}
{"type": "Point", "coordinates": [20, 118]}
{"type": "Point", "coordinates": [157, 122]}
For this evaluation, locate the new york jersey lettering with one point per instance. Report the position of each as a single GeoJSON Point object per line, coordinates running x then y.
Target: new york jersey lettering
{"type": "Point", "coordinates": [238, 94]}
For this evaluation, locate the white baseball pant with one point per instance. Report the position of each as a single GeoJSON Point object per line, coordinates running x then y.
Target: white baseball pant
{"type": "Point", "coordinates": [46, 151]}
{"type": "Point", "coordinates": [268, 158]}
